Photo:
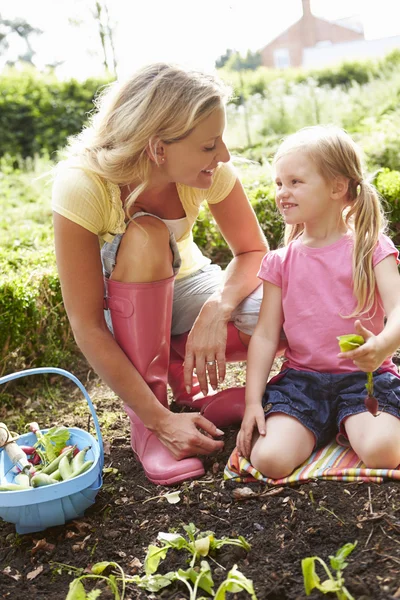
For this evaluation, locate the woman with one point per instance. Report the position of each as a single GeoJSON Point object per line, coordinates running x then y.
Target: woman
{"type": "Point", "coordinates": [135, 178]}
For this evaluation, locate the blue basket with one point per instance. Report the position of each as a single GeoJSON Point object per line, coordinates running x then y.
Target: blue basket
{"type": "Point", "coordinates": [38, 508]}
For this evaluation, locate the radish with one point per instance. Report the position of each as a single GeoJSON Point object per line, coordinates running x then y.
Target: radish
{"type": "Point", "coordinates": [351, 342]}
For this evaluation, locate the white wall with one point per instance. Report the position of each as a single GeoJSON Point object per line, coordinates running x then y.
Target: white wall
{"type": "Point", "coordinates": [321, 56]}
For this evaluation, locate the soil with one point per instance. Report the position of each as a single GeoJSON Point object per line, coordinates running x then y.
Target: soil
{"type": "Point", "coordinates": [282, 524]}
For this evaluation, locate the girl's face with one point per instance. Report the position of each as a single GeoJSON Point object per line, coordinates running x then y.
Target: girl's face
{"type": "Point", "coordinates": [302, 194]}
{"type": "Point", "coordinates": [192, 161]}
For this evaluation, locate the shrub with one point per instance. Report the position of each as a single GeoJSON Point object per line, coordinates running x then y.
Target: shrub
{"type": "Point", "coordinates": [38, 112]}
{"type": "Point", "coordinates": [388, 185]}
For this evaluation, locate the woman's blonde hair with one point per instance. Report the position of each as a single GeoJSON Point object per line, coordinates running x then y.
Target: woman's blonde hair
{"type": "Point", "coordinates": [335, 154]}
{"type": "Point", "coordinates": [160, 102]}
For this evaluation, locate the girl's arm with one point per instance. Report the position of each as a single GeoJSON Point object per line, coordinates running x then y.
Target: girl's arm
{"type": "Point", "coordinates": [239, 226]}
{"type": "Point", "coordinates": [377, 348]}
{"type": "Point", "coordinates": [80, 270]}
{"type": "Point", "coordinates": [261, 355]}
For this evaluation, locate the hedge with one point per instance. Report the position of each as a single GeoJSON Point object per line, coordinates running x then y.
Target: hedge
{"type": "Point", "coordinates": [38, 112]}
{"type": "Point", "coordinates": [34, 329]}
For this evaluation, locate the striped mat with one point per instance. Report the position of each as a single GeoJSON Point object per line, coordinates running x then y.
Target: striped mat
{"type": "Point", "coordinates": [333, 462]}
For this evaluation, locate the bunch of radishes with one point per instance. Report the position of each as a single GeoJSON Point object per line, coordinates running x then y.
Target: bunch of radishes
{"type": "Point", "coordinates": [50, 460]}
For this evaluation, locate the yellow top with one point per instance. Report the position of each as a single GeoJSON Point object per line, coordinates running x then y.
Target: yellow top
{"type": "Point", "coordinates": [94, 203]}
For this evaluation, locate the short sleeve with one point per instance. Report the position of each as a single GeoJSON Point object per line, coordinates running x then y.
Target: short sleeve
{"type": "Point", "coordinates": [271, 268]}
{"type": "Point", "coordinates": [384, 248]}
{"type": "Point", "coordinates": [80, 197]}
{"type": "Point", "coordinates": [222, 185]}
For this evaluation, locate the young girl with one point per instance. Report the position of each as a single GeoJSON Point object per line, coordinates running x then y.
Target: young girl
{"type": "Point", "coordinates": [337, 274]}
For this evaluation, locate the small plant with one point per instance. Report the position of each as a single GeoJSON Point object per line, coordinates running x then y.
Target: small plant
{"type": "Point", "coordinates": [351, 342]}
{"type": "Point", "coordinates": [335, 582]}
{"type": "Point", "coordinates": [198, 544]}
{"type": "Point", "coordinates": [194, 578]}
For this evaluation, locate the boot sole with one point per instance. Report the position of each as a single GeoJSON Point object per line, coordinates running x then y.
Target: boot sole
{"type": "Point", "coordinates": [195, 474]}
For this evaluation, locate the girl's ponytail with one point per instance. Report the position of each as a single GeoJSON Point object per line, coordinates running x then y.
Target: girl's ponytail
{"type": "Point", "coordinates": [367, 219]}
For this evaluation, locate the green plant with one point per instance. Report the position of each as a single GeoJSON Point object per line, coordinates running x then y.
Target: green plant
{"type": "Point", "coordinates": [335, 582]}
{"type": "Point", "coordinates": [197, 544]}
{"type": "Point", "coordinates": [194, 578]}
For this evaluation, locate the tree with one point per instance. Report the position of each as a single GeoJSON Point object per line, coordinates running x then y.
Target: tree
{"type": "Point", "coordinates": [106, 33]}
{"type": "Point", "coordinates": [98, 11]}
{"type": "Point", "coordinates": [223, 59]}
{"type": "Point", "coordinates": [24, 30]}
{"type": "Point", "coordinates": [237, 62]}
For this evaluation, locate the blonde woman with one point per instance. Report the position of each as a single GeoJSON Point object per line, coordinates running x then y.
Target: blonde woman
{"type": "Point", "coordinates": [337, 275]}
{"type": "Point", "coordinates": [135, 179]}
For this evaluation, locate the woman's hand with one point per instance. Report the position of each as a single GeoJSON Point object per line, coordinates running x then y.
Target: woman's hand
{"type": "Point", "coordinates": [254, 418]}
{"type": "Point", "coordinates": [183, 435]}
{"type": "Point", "coordinates": [205, 348]}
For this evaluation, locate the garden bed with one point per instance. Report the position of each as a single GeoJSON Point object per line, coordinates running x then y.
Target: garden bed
{"type": "Point", "coordinates": [282, 524]}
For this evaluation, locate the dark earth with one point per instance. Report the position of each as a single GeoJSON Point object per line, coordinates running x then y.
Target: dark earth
{"type": "Point", "coordinates": [282, 524]}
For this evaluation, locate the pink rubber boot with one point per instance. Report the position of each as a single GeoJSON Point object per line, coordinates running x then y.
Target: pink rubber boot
{"type": "Point", "coordinates": [222, 408]}
{"type": "Point", "coordinates": [141, 319]}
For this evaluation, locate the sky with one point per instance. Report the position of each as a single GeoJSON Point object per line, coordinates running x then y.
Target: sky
{"type": "Point", "coordinates": [190, 32]}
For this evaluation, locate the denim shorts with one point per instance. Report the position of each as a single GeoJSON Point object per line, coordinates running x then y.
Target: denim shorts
{"type": "Point", "coordinates": [322, 401]}
{"type": "Point", "coordinates": [191, 292]}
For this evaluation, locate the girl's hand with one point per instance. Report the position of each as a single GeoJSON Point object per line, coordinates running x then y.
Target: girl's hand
{"type": "Point", "coordinates": [188, 434]}
{"type": "Point", "coordinates": [205, 349]}
{"type": "Point", "coordinates": [254, 418]}
{"type": "Point", "coordinates": [370, 355]}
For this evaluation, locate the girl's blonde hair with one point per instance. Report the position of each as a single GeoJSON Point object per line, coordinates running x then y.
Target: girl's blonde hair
{"type": "Point", "coordinates": [160, 102]}
{"type": "Point", "coordinates": [335, 154]}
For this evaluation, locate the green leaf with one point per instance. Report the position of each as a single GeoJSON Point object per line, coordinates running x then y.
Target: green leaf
{"type": "Point", "coordinates": [329, 585]}
{"type": "Point", "coordinates": [338, 561]}
{"type": "Point", "coordinates": [99, 567]}
{"type": "Point", "coordinates": [93, 594]}
{"type": "Point", "coordinates": [235, 582]}
{"type": "Point", "coordinates": [191, 530]}
{"type": "Point", "coordinates": [153, 557]}
{"type": "Point", "coordinates": [240, 541]}
{"type": "Point", "coordinates": [52, 442]}
{"type": "Point", "coordinates": [202, 578]}
{"type": "Point", "coordinates": [350, 341]}
{"type": "Point", "coordinates": [173, 497]}
{"type": "Point", "coordinates": [153, 583]}
{"type": "Point", "coordinates": [202, 546]}
{"type": "Point", "coordinates": [311, 579]}
{"type": "Point", "coordinates": [173, 540]}
{"type": "Point", "coordinates": [76, 591]}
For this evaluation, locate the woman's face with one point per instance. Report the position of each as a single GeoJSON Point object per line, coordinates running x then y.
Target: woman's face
{"type": "Point", "coordinates": [192, 161]}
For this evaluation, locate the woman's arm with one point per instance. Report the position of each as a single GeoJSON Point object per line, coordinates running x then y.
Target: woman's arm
{"type": "Point", "coordinates": [377, 348]}
{"type": "Point", "coordinates": [239, 226]}
{"type": "Point", "coordinates": [79, 266]}
{"type": "Point", "coordinates": [262, 350]}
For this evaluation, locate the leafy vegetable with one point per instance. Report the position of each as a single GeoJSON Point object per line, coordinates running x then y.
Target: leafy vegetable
{"type": "Point", "coordinates": [351, 341]}
{"type": "Point", "coordinates": [194, 578]}
{"type": "Point", "coordinates": [50, 444]}
{"type": "Point", "coordinates": [332, 584]}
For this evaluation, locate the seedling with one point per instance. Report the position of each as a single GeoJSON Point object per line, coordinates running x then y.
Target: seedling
{"type": "Point", "coordinates": [351, 342]}
{"type": "Point", "coordinates": [196, 545]}
{"type": "Point", "coordinates": [335, 582]}
{"type": "Point", "coordinates": [194, 578]}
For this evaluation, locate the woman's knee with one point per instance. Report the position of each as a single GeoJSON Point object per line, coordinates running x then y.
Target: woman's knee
{"type": "Point", "coordinates": [144, 254]}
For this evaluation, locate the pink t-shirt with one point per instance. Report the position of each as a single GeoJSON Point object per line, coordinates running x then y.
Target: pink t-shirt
{"type": "Point", "coordinates": [317, 288]}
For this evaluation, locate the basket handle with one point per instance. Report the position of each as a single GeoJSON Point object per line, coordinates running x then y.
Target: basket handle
{"type": "Point", "coordinates": [42, 370]}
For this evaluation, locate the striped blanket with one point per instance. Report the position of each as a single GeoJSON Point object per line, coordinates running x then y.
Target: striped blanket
{"type": "Point", "coordinates": [333, 462]}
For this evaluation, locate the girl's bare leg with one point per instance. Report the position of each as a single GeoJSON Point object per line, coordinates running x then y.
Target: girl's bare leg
{"type": "Point", "coordinates": [286, 444]}
{"type": "Point", "coordinates": [376, 440]}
